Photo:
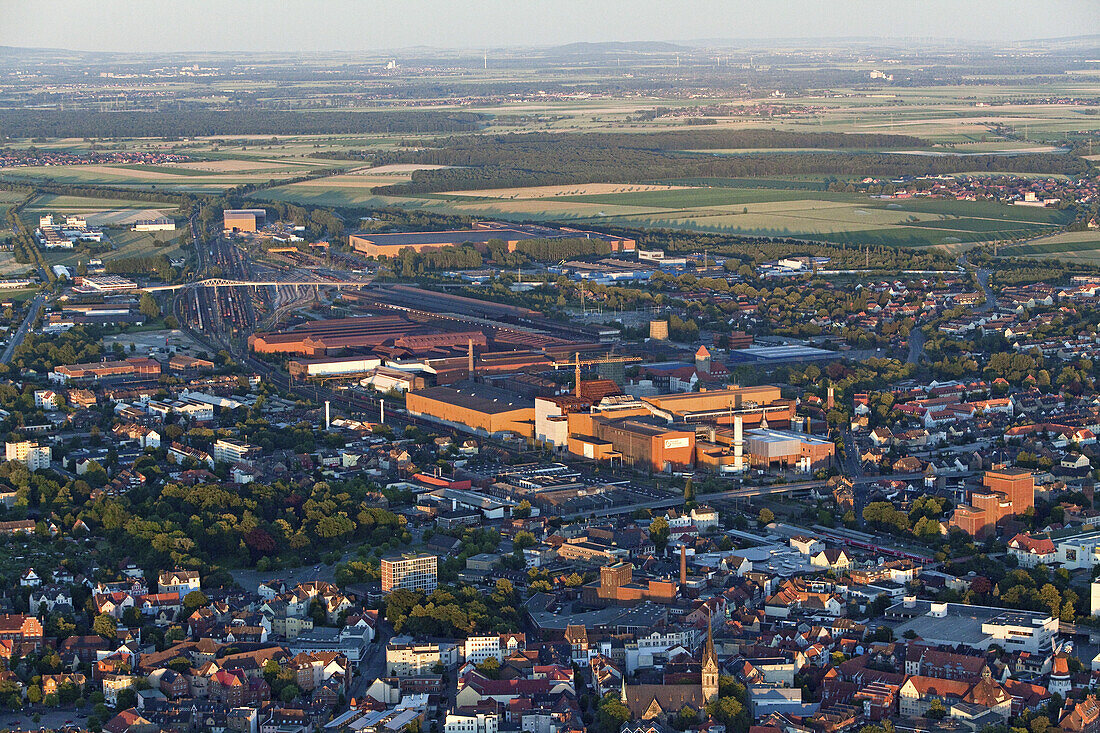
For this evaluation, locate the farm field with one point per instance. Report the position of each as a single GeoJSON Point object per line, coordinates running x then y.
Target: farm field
{"type": "Point", "coordinates": [19, 295]}
{"type": "Point", "coordinates": [9, 267]}
{"type": "Point", "coordinates": [800, 212]}
{"type": "Point", "coordinates": [1070, 246]}
{"type": "Point", "coordinates": [52, 203]}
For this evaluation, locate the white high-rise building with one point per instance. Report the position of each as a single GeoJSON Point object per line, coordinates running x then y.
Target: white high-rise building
{"type": "Point", "coordinates": [29, 452]}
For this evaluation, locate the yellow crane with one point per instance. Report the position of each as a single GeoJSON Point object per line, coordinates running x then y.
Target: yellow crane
{"type": "Point", "coordinates": [578, 362]}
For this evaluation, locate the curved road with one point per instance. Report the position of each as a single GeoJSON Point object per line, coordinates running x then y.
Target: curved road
{"type": "Point", "coordinates": [916, 335]}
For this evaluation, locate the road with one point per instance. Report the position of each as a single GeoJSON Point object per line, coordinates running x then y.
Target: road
{"type": "Point", "coordinates": [990, 298]}
{"type": "Point", "coordinates": [983, 281]}
{"type": "Point", "coordinates": [49, 719]}
{"type": "Point", "coordinates": [21, 332]}
{"type": "Point", "coordinates": [373, 665]}
{"type": "Point", "coordinates": [916, 345]}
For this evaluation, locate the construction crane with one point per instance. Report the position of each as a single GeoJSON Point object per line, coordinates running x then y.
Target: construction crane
{"type": "Point", "coordinates": [608, 359]}
{"type": "Point", "coordinates": [578, 362]}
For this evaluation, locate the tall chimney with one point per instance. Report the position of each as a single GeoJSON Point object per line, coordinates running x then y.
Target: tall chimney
{"type": "Point", "coordinates": [328, 415]}
{"type": "Point", "coordinates": [470, 356]}
{"type": "Point", "coordinates": [382, 411]}
{"type": "Point", "coordinates": [829, 398]}
{"type": "Point", "coordinates": [683, 564]}
{"type": "Point", "coordinates": [738, 444]}
{"type": "Point", "coordinates": [577, 355]}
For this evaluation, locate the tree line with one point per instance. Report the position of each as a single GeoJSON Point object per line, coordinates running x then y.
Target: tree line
{"type": "Point", "coordinates": [30, 123]}
{"type": "Point", "coordinates": [517, 160]}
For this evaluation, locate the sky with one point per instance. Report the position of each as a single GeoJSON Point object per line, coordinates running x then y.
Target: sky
{"type": "Point", "coordinates": [366, 26]}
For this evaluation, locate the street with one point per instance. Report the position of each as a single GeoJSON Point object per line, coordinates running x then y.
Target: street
{"type": "Point", "coordinates": [21, 332]}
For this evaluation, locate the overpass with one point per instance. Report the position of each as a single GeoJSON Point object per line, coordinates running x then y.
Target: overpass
{"type": "Point", "coordinates": [219, 282]}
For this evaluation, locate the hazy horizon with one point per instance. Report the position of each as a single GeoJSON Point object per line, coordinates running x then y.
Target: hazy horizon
{"type": "Point", "coordinates": [310, 26]}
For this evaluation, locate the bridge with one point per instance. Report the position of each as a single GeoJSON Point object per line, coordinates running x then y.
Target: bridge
{"type": "Point", "coordinates": [219, 282]}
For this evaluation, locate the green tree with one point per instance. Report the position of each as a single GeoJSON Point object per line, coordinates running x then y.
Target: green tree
{"type": "Point", "coordinates": [611, 713]}
{"type": "Point", "coordinates": [194, 600]}
{"type": "Point", "coordinates": [289, 694]}
{"type": "Point", "coordinates": [126, 699]}
{"type": "Point", "coordinates": [936, 710]}
{"type": "Point", "coordinates": [658, 532]}
{"type": "Point", "coordinates": [490, 668]}
{"type": "Point", "coordinates": [104, 625]}
{"type": "Point", "coordinates": [765, 517]}
{"type": "Point", "coordinates": [148, 306]}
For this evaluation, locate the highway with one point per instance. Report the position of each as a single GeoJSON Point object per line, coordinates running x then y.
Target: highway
{"type": "Point", "coordinates": [21, 332]}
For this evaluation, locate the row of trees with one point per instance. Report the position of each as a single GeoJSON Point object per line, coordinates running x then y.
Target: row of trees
{"type": "Point", "coordinates": [27, 123]}
{"type": "Point", "coordinates": [493, 161]}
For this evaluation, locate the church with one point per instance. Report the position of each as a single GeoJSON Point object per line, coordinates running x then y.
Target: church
{"type": "Point", "coordinates": [659, 702]}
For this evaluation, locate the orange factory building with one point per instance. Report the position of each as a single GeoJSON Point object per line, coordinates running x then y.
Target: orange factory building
{"type": "Point", "coordinates": [718, 406]}
{"type": "Point", "coordinates": [474, 408]}
{"type": "Point", "coordinates": [243, 220]}
{"type": "Point", "coordinates": [634, 441]}
{"type": "Point", "coordinates": [136, 366]}
{"type": "Point", "coordinates": [320, 337]}
{"type": "Point", "coordinates": [1005, 493]}
{"type": "Point", "coordinates": [616, 586]}
{"type": "Point", "coordinates": [389, 245]}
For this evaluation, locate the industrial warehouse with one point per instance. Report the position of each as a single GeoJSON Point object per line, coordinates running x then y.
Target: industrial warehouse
{"type": "Point", "coordinates": [494, 370]}
{"type": "Point", "coordinates": [642, 433]}
{"type": "Point", "coordinates": [483, 232]}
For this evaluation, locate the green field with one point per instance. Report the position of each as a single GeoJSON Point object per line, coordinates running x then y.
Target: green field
{"type": "Point", "coordinates": [1072, 246]}
{"type": "Point", "coordinates": [799, 211]}
{"type": "Point", "coordinates": [693, 198]}
{"type": "Point", "coordinates": [19, 295]}
{"type": "Point", "coordinates": [51, 203]}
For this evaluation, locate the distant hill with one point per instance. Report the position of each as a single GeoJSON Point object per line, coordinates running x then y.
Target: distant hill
{"type": "Point", "coordinates": [600, 49]}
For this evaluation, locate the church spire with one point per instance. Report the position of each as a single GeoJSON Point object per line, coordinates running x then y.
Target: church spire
{"type": "Point", "coordinates": [710, 663]}
{"type": "Point", "coordinates": [708, 650]}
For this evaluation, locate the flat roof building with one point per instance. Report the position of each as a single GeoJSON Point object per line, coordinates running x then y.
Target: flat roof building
{"type": "Point", "coordinates": [137, 366]}
{"type": "Point", "coordinates": [107, 283]}
{"type": "Point", "coordinates": [244, 220]}
{"type": "Point", "coordinates": [951, 624]}
{"type": "Point", "coordinates": [317, 338]}
{"type": "Point", "coordinates": [475, 408]}
{"type": "Point", "coordinates": [785, 354]}
{"type": "Point", "coordinates": [411, 571]}
{"type": "Point", "coordinates": [633, 441]}
{"type": "Point", "coordinates": [719, 406]}
{"type": "Point", "coordinates": [787, 449]}
{"type": "Point", "coordinates": [388, 245]}
{"type": "Point", "coordinates": [29, 453]}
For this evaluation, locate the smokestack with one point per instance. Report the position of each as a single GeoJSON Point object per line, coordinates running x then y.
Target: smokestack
{"type": "Point", "coordinates": [470, 356]}
{"type": "Point", "coordinates": [683, 564]}
{"type": "Point", "coordinates": [328, 415]}
{"type": "Point", "coordinates": [738, 443]}
{"type": "Point", "coordinates": [829, 398]}
{"type": "Point", "coordinates": [577, 356]}
{"type": "Point", "coordinates": [382, 412]}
